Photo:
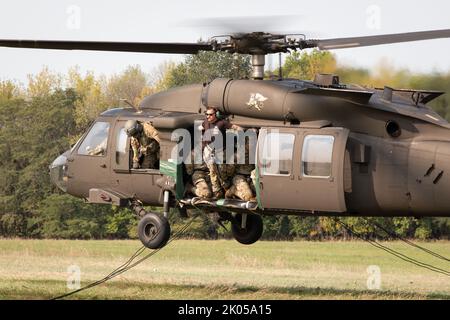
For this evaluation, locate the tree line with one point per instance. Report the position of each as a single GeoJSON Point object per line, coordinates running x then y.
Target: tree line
{"type": "Point", "coordinates": [40, 120]}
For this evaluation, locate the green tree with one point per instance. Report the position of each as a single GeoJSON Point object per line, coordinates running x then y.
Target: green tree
{"type": "Point", "coordinates": [91, 100]}
{"type": "Point", "coordinates": [33, 133]}
{"type": "Point", "coordinates": [276, 227]}
{"type": "Point", "coordinates": [10, 90]}
{"type": "Point", "coordinates": [44, 83]}
{"type": "Point", "coordinates": [131, 84]}
{"type": "Point", "coordinates": [204, 67]}
{"type": "Point", "coordinates": [304, 65]}
{"type": "Point", "coordinates": [121, 224]}
{"type": "Point", "coordinates": [13, 225]}
{"type": "Point", "coordinates": [64, 216]}
{"type": "Point", "coordinates": [304, 227]}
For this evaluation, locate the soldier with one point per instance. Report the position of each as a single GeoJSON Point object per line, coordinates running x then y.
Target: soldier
{"type": "Point", "coordinates": [240, 188]}
{"type": "Point", "coordinates": [213, 126]}
{"type": "Point", "coordinates": [200, 180]}
{"type": "Point", "coordinates": [242, 183]}
{"type": "Point", "coordinates": [145, 144]}
{"type": "Point", "coordinates": [226, 173]}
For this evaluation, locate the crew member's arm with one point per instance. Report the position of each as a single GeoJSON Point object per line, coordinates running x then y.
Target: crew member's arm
{"type": "Point", "coordinates": [150, 131]}
{"type": "Point", "coordinates": [229, 125]}
{"type": "Point", "coordinates": [236, 127]}
{"type": "Point", "coordinates": [135, 147]}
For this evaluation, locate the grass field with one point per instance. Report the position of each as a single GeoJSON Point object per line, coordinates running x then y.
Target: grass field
{"type": "Point", "coordinates": [223, 269]}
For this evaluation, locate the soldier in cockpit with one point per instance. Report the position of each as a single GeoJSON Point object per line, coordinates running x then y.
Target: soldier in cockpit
{"type": "Point", "coordinates": [145, 144]}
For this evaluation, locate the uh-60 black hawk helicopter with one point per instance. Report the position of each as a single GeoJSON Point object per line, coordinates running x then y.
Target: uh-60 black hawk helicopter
{"type": "Point", "coordinates": [341, 150]}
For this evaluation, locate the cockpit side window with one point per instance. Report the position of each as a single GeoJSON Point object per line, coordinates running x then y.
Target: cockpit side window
{"type": "Point", "coordinates": [96, 140]}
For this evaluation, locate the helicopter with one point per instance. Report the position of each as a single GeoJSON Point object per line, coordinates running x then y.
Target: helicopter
{"type": "Point", "coordinates": [322, 147]}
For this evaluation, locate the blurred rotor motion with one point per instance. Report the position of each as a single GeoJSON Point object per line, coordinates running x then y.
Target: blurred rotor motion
{"type": "Point", "coordinates": [275, 24]}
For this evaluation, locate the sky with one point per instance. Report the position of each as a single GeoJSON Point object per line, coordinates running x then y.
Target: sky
{"type": "Point", "coordinates": [188, 21]}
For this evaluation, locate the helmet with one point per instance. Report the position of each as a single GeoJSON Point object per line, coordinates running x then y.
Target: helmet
{"type": "Point", "coordinates": [132, 127]}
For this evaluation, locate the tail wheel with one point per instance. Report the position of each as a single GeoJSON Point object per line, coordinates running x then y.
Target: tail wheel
{"type": "Point", "coordinates": [153, 230]}
{"type": "Point", "coordinates": [252, 231]}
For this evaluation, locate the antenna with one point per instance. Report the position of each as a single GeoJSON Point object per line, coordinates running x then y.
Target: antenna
{"type": "Point", "coordinates": [130, 104]}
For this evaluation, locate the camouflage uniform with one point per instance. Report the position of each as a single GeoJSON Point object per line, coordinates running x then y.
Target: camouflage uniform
{"type": "Point", "coordinates": [240, 188]}
{"type": "Point", "coordinates": [213, 153]}
{"type": "Point", "coordinates": [200, 180]}
{"type": "Point", "coordinates": [226, 173]}
{"type": "Point", "coordinates": [241, 184]}
{"type": "Point", "coordinates": [220, 173]}
{"type": "Point", "coordinates": [213, 168]}
{"type": "Point", "coordinates": [146, 145]}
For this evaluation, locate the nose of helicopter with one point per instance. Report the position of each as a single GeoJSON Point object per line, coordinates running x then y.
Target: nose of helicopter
{"type": "Point", "coordinates": [58, 172]}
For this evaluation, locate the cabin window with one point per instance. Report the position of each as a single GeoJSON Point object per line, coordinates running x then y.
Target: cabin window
{"type": "Point", "coordinates": [96, 140]}
{"type": "Point", "coordinates": [277, 153]}
{"type": "Point", "coordinates": [121, 147]}
{"type": "Point", "coordinates": [317, 154]}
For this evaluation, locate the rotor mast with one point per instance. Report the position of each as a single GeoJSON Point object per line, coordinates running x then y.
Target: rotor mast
{"type": "Point", "coordinates": [258, 62]}
{"type": "Point", "coordinates": [258, 45]}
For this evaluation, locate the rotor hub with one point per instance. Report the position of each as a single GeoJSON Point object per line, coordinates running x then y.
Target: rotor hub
{"type": "Point", "coordinates": [258, 43]}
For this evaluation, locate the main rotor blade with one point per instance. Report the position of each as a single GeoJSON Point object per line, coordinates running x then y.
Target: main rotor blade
{"type": "Point", "coordinates": [342, 43]}
{"type": "Point", "coordinates": [153, 47]}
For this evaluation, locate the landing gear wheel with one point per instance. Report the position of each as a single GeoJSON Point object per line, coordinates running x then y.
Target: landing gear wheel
{"type": "Point", "coordinates": [153, 230]}
{"type": "Point", "coordinates": [252, 231]}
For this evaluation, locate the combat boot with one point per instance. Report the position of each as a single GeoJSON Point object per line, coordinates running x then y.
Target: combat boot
{"type": "Point", "coordinates": [229, 194]}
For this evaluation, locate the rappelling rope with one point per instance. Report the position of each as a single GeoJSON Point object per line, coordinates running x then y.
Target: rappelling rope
{"type": "Point", "coordinates": [129, 264]}
{"type": "Point", "coordinates": [392, 251]}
